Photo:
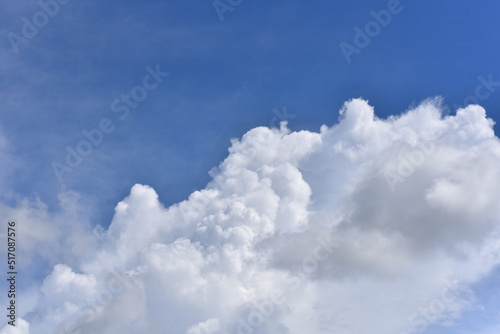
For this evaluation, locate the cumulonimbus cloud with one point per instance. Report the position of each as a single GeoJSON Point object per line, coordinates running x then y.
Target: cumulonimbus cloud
{"type": "Point", "coordinates": [370, 225]}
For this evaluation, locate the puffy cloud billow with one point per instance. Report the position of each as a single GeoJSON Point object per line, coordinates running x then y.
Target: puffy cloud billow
{"type": "Point", "coordinates": [369, 226]}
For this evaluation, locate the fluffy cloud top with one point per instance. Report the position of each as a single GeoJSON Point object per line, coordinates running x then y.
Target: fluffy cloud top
{"type": "Point", "coordinates": [369, 226]}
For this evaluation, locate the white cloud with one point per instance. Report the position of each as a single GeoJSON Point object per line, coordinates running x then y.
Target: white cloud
{"type": "Point", "coordinates": [22, 327]}
{"type": "Point", "coordinates": [368, 226]}
{"type": "Point", "coordinates": [49, 236]}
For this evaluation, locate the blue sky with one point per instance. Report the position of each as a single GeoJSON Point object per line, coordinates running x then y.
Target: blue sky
{"type": "Point", "coordinates": [265, 59]}
{"type": "Point", "coordinates": [226, 77]}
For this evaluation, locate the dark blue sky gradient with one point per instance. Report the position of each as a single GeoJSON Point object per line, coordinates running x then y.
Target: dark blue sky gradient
{"type": "Point", "coordinates": [225, 78]}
